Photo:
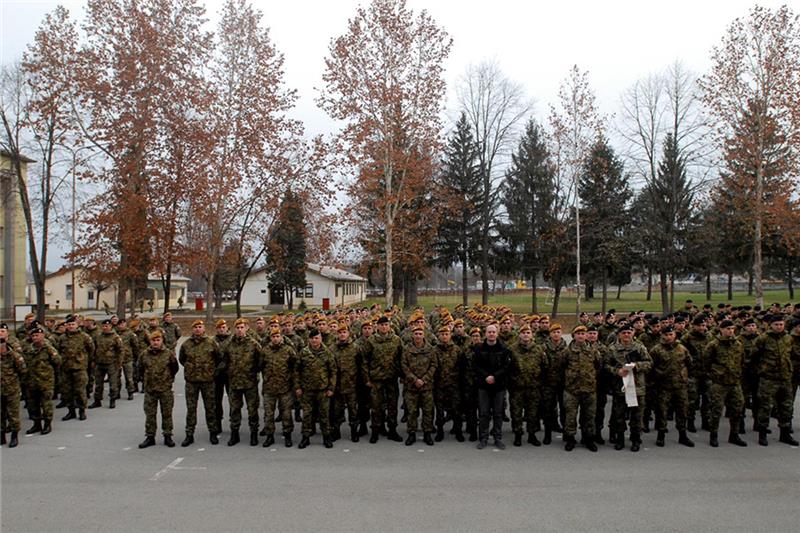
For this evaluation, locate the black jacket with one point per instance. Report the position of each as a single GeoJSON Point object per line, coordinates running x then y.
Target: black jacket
{"type": "Point", "coordinates": [492, 360]}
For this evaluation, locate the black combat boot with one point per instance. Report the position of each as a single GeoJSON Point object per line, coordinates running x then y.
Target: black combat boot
{"type": "Point", "coordinates": [517, 438]}
{"type": "Point", "coordinates": [70, 415]}
{"type": "Point", "coordinates": [404, 418]}
{"type": "Point", "coordinates": [336, 433]}
{"type": "Point", "coordinates": [439, 434]}
{"type": "Point", "coordinates": [61, 404]}
{"type": "Point", "coordinates": [458, 433]}
{"type": "Point", "coordinates": [741, 430]}
{"type": "Point", "coordinates": [762, 438]}
{"type": "Point", "coordinates": [130, 396]}
{"type": "Point", "coordinates": [327, 442]}
{"type": "Point", "coordinates": [234, 440]}
{"type": "Point", "coordinates": [412, 438]}
{"type": "Point", "coordinates": [598, 438]}
{"type": "Point", "coordinates": [569, 444]}
{"type": "Point", "coordinates": [354, 437]}
{"type": "Point", "coordinates": [304, 442]}
{"type": "Point", "coordinates": [287, 439]}
{"type": "Point", "coordinates": [373, 438]}
{"type": "Point", "coordinates": [636, 442]}
{"type": "Point", "coordinates": [13, 441]}
{"type": "Point", "coordinates": [786, 437]}
{"type": "Point", "coordinates": [612, 437]}
{"type": "Point", "coordinates": [619, 440]}
{"type": "Point", "coordinates": [590, 443]}
{"type": "Point", "coordinates": [684, 439]}
{"type": "Point", "coordinates": [646, 426]}
{"type": "Point", "coordinates": [269, 441]}
{"type": "Point", "coordinates": [112, 403]}
{"type": "Point", "coordinates": [148, 441]}
{"type": "Point", "coordinates": [36, 428]}
{"type": "Point", "coordinates": [392, 435]}
{"type": "Point", "coordinates": [690, 425]}
{"type": "Point", "coordinates": [713, 439]}
{"type": "Point", "coordinates": [263, 432]}
{"type": "Point", "coordinates": [213, 438]}
{"type": "Point", "coordinates": [362, 429]}
{"type": "Point", "coordinates": [532, 440]}
{"type": "Point", "coordinates": [704, 423]}
{"type": "Point", "coordinates": [47, 427]}
{"type": "Point", "coordinates": [548, 436]}
{"type": "Point", "coordinates": [168, 442]}
{"type": "Point", "coordinates": [188, 441]}
{"type": "Point", "coordinates": [81, 414]}
{"type": "Point", "coordinates": [427, 438]}
{"type": "Point", "coordinates": [253, 438]}
{"type": "Point", "coordinates": [660, 438]}
{"type": "Point", "coordinates": [733, 437]}
{"type": "Point", "coordinates": [3, 438]}
{"type": "Point", "coordinates": [95, 404]}
{"type": "Point", "coordinates": [473, 436]}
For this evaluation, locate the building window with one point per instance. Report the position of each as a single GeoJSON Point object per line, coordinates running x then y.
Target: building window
{"type": "Point", "coordinates": [69, 292]}
{"type": "Point", "coordinates": [307, 293]}
{"type": "Point", "coordinates": [90, 295]}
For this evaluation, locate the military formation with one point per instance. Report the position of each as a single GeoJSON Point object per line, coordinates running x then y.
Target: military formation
{"type": "Point", "coordinates": [374, 369]}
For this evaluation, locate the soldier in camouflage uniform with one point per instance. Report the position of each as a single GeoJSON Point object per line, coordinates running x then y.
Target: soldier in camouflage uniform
{"type": "Point", "coordinates": [447, 384]}
{"type": "Point", "coordinates": [242, 359]}
{"type": "Point", "coordinates": [222, 336]}
{"type": "Point", "coordinates": [108, 360]}
{"type": "Point", "coordinates": [603, 382]}
{"type": "Point", "coordinates": [695, 341]}
{"type": "Point", "coordinates": [723, 360]}
{"type": "Point", "coordinates": [315, 379]}
{"type": "Point", "coordinates": [528, 363]}
{"type": "Point", "coordinates": [201, 357]}
{"type": "Point", "coordinates": [77, 350]}
{"type": "Point", "coordinates": [278, 367]}
{"type": "Point", "coordinates": [580, 365]}
{"type": "Point", "coordinates": [748, 335]}
{"type": "Point", "coordinates": [381, 360]}
{"type": "Point", "coordinates": [794, 331]}
{"type": "Point", "coordinates": [171, 331]}
{"type": "Point", "coordinates": [42, 362]}
{"type": "Point", "coordinates": [623, 356]}
{"type": "Point", "coordinates": [12, 366]}
{"type": "Point", "coordinates": [131, 348]}
{"type": "Point", "coordinates": [348, 364]}
{"type": "Point", "coordinates": [671, 365]}
{"type": "Point", "coordinates": [362, 391]}
{"type": "Point", "coordinates": [555, 348]}
{"type": "Point", "coordinates": [159, 367]}
{"type": "Point", "coordinates": [419, 365]}
{"type": "Point", "coordinates": [774, 363]}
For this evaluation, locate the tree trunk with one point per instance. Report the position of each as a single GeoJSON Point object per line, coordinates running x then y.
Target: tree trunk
{"type": "Point", "coordinates": [464, 282]}
{"type": "Point", "coordinates": [390, 300]}
{"type": "Point", "coordinates": [757, 272]}
{"type": "Point", "coordinates": [605, 289]}
{"type": "Point", "coordinates": [238, 300]}
{"type": "Point", "coordinates": [619, 292]}
{"type": "Point", "coordinates": [167, 286]}
{"type": "Point", "coordinates": [649, 284]}
{"type": "Point", "coordinates": [708, 286]}
{"type": "Point", "coordinates": [534, 303]}
{"type": "Point", "coordinates": [671, 291]}
{"type": "Point", "coordinates": [662, 277]}
{"type": "Point", "coordinates": [749, 282]}
{"type": "Point", "coordinates": [209, 297]}
{"type": "Point", "coordinates": [790, 280]}
{"type": "Point", "coordinates": [730, 285]}
{"type": "Point", "coordinates": [556, 297]}
{"type": "Point", "coordinates": [122, 289]}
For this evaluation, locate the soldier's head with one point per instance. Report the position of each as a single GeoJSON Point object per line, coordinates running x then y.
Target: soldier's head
{"type": "Point", "coordinates": [275, 336]}
{"type": "Point", "coordinates": [71, 324]}
{"type": "Point", "coordinates": [555, 332]}
{"type": "Point", "coordinates": [261, 324]}
{"type": "Point", "coordinates": [221, 327]}
{"type": "Point", "coordinates": [458, 327]}
{"type": "Point", "coordinates": [314, 338]}
{"type": "Point", "coordinates": [37, 336]}
{"type": "Point", "coordinates": [506, 324]}
{"type": "Point", "coordinates": [114, 320]}
{"type": "Point", "coordinates": [240, 327]}
{"type": "Point", "coordinates": [525, 334]}
{"type": "Point", "coordinates": [322, 325]}
{"type": "Point", "coordinates": [583, 318]}
{"type": "Point", "coordinates": [444, 334]}
{"type": "Point", "coordinates": [198, 328]}
{"type": "Point", "coordinates": [153, 321]}
{"type": "Point", "coordinates": [367, 329]}
{"type": "Point", "coordinates": [342, 332]}
{"type": "Point", "coordinates": [699, 324]}
{"type": "Point", "coordinates": [89, 323]}
{"type": "Point", "coordinates": [777, 324]}
{"type": "Point", "coordinates": [28, 319]}
{"type": "Point", "coordinates": [156, 340]}
{"type": "Point", "coordinates": [727, 329]}
{"type": "Point", "coordinates": [106, 325]}
{"type": "Point", "coordinates": [668, 334]}
{"type": "Point", "coordinates": [475, 335]}
{"type": "Point", "coordinates": [749, 326]}
{"type": "Point", "coordinates": [3, 331]}
{"type": "Point", "coordinates": [383, 325]}
{"type": "Point", "coordinates": [122, 324]}
{"type": "Point", "coordinates": [418, 336]}
{"type": "Point", "coordinates": [491, 333]}
{"type": "Point", "coordinates": [168, 317]}
{"type": "Point", "coordinates": [592, 334]}
{"type": "Point", "coordinates": [287, 327]}
{"type": "Point", "coordinates": [579, 334]}
{"type": "Point", "coordinates": [626, 333]}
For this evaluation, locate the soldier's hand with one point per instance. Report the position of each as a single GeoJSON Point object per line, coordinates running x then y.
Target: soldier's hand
{"type": "Point", "coordinates": [419, 383]}
{"type": "Point", "coordinates": [369, 384]}
{"type": "Point", "coordinates": [298, 392]}
{"type": "Point", "coordinates": [328, 393]}
{"type": "Point", "coordinates": [622, 372]}
{"type": "Point", "coordinates": [490, 380]}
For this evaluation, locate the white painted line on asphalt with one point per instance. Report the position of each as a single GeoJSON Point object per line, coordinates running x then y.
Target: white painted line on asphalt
{"type": "Point", "coordinates": [126, 449]}
{"type": "Point", "coordinates": [62, 447]}
{"type": "Point", "coordinates": [201, 449]}
{"type": "Point", "coordinates": [89, 435]}
{"type": "Point", "coordinates": [495, 450]}
{"type": "Point", "coordinates": [346, 450]}
{"type": "Point", "coordinates": [421, 450]}
{"type": "Point", "coordinates": [166, 469]}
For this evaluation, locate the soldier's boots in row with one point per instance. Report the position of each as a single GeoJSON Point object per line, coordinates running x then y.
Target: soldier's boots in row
{"type": "Point", "coordinates": [147, 442]}
{"type": "Point", "coordinates": [393, 435]}
{"type": "Point", "coordinates": [362, 429]}
{"type": "Point", "coordinates": [327, 441]}
{"type": "Point", "coordinates": [354, 436]}
{"type": "Point", "coordinates": [168, 442]}
{"type": "Point", "coordinates": [636, 441]}
{"type": "Point", "coordinates": [690, 425]}
{"type": "Point", "coordinates": [287, 439]}
{"type": "Point", "coordinates": [786, 437]}
{"type": "Point", "coordinates": [598, 438]}
{"type": "Point", "coordinates": [112, 403]}
{"type": "Point", "coordinates": [71, 414]}
{"type": "Point", "coordinates": [304, 442]}
{"type": "Point", "coordinates": [234, 440]}
{"type": "Point", "coordinates": [214, 438]}
{"type": "Point", "coordinates": [47, 427]}
{"type": "Point", "coordinates": [684, 439]}
{"type": "Point", "coordinates": [269, 441]}
{"type": "Point", "coordinates": [373, 438]}
{"type": "Point", "coordinates": [130, 395]}
{"type": "Point", "coordinates": [548, 436]}
{"type": "Point", "coordinates": [532, 440]}
{"type": "Point", "coordinates": [95, 404]}
{"type": "Point", "coordinates": [412, 438]}
{"type": "Point", "coordinates": [569, 443]}
{"type": "Point", "coordinates": [660, 438]}
{"type": "Point", "coordinates": [13, 439]}
{"type": "Point", "coordinates": [36, 428]}
{"type": "Point", "coordinates": [439, 433]}
{"type": "Point", "coordinates": [619, 440]}
{"type": "Point", "coordinates": [188, 441]}
{"type": "Point", "coordinates": [427, 438]}
{"type": "Point", "coordinates": [713, 439]}
{"type": "Point", "coordinates": [733, 437]}
{"type": "Point", "coordinates": [253, 438]}
{"type": "Point", "coordinates": [589, 442]}
{"type": "Point", "coordinates": [517, 439]}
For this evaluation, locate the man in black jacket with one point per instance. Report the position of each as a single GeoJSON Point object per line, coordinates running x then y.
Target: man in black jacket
{"type": "Point", "coordinates": [492, 361]}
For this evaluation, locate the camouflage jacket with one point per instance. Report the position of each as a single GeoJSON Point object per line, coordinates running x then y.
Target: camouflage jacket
{"type": "Point", "coordinates": [130, 344]}
{"type": "Point", "coordinates": [618, 355]}
{"type": "Point", "coordinates": [76, 349]}
{"type": "Point", "coordinates": [795, 357]}
{"type": "Point", "coordinates": [671, 364]}
{"type": "Point", "coordinates": [42, 362]}
{"type": "Point", "coordinates": [278, 366]}
{"type": "Point", "coordinates": [316, 369]}
{"type": "Point", "coordinates": [13, 371]}
{"type": "Point", "coordinates": [200, 357]}
{"type": "Point", "coordinates": [348, 364]}
{"type": "Point", "coordinates": [528, 364]}
{"type": "Point", "coordinates": [555, 355]}
{"type": "Point", "coordinates": [109, 349]}
{"type": "Point", "coordinates": [449, 365]}
{"type": "Point", "coordinates": [241, 358]}
{"type": "Point", "coordinates": [419, 363]}
{"type": "Point", "coordinates": [171, 334]}
{"type": "Point", "coordinates": [581, 364]}
{"type": "Point", "coordinates": [723, 360]}
{"type": "Point", "coordinates": [773, 356]}
{"type": "Point", "coordinates": [159, 367]}
{"type": "Point", "coordinates": [749, 345]}
{"type": "Point", "coordinates": [382, 357]}
{"type": "Point", "coordinates": [696, 344]}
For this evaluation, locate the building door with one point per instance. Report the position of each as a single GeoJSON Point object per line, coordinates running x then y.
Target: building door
{"type": "Point", "coordinates": [276, 295]}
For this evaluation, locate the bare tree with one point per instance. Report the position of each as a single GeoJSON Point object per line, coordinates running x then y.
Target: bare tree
{"type": "Point", "coordinates": [496, 108]}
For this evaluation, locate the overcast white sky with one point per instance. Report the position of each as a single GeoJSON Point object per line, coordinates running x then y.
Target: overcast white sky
{"type": "Point", "coordinates": [535, 42]}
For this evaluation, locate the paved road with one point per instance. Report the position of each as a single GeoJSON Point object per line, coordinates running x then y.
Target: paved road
{"type": "Point", "coordinates": [90, 476]}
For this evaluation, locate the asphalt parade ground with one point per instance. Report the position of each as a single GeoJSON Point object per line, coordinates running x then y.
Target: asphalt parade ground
{"type": "Point", "coordinates": [91, 476]}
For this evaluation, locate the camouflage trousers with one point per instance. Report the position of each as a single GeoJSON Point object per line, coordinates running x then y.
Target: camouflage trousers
{"type": "Point", "coordinates": [679, 398]}
{"type": "Point", "coordinates": [699, 399]}
{"type": "Point", "coordinates": [152, 400]}
{"type": "Point", "coordinates": [9, 411]}
{"type": "Point", "coordinates": [722, 396]}
{"type": "Point", "coordinates": [100, 372]}
{"type": "Point", "coordinates": [383, 397]}
{"type": "Point", "coordinates": [40, 403]}
{"type": "Point", "coordinates": [130, 379]}
{"type": "Point", "coordinates": [524, 408]}
{"type": "Point", "coordinates": [315, 401]}
{"type": "Point", "coordinates": [220, 388]}
{"type": "Point", "coordinates": [416, 399]}
{"type": "Point", "coordinates": [448, 405]}
{"type": "Point", "coordinates": [469, 408]}
{"type": "Point", "coordinates": [553, 408]}
{"type": "Point", "coordinates": [619, 409]}
{"type": "Point", "coordinates": [193, 390]}
{"type": "Point", "coordinates": [344, 400]}
{"type": "Point", "coordinates": [283, 402]}
{"type": "Point", "coordinates": [778, 393]}
{"type": "Point", "coordinates": [600, 409]}
{"type": "Point", "coordinates": [584, 403]}
{"type": "Point", "coordinates": [237, 398]}
{"type": "Point", "coordinates": [75, 388]}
